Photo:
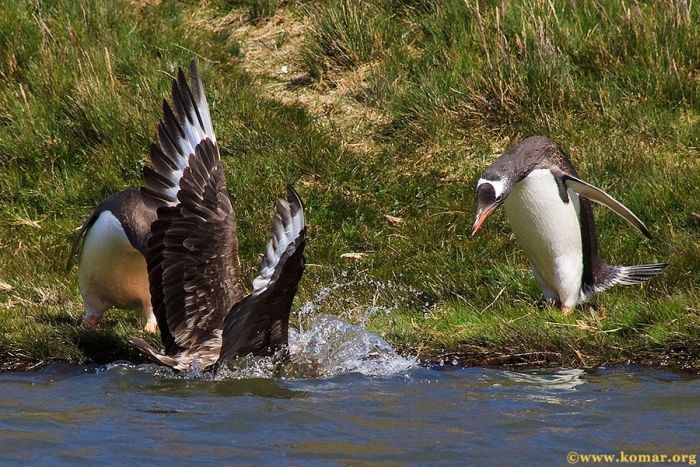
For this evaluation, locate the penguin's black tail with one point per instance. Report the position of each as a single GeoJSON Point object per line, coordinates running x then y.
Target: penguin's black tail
{"type": "Point", "coordinates": [77, 241]}
{"type": "Point", "coordinates": [624, 275]}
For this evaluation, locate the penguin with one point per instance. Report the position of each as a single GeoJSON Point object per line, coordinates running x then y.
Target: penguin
{"type": "Point", "coordinates": [548, 207]}
{"type": "Point", "coordinates": [203, 314]}
{"type": "Point", "coordinates": [112, 265]}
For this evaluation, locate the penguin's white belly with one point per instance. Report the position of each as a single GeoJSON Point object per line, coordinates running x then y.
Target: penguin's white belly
{"type": "Point", "coordinates": [112, 272]}
{"type": "Point", "coordinates": [549, 232]}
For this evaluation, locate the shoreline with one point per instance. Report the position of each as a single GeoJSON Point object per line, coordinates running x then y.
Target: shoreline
{"type": "Point", "coordinates": [467, 356]}
{"type": "Point", "coordinates": [677, 363]}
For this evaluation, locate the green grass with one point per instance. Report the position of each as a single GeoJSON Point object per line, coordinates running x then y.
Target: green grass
{"type": "Point", "coordinates": [616, 84]}
{"type": "Point", "coordinates": [346, 34]}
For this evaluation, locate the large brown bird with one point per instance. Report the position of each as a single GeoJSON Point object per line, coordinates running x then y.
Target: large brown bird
{"type": "Point", "coordinates": [192, 255]}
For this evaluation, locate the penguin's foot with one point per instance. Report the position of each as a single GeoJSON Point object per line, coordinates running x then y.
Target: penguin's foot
{"type": "Point", "coordinates": [151, 327]}
{"type": "Point", "coordinates": [91, 321]}
{"type": "Point", "coordinates": [566, 310]}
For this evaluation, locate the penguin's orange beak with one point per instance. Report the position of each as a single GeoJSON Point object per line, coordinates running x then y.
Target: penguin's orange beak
{"type": "Point", "coordinates": [481, 216]}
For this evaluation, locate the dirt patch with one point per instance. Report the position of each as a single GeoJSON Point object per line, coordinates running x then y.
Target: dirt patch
{"type": "Point", "coordinates": [19, 361]}
{"type": "Point", "coordinates": [271, 50]}
{"type": "Point", "coordinates": [143, 3]}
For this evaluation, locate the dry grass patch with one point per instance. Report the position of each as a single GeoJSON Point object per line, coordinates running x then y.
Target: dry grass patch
{"type": "Point", "coordinates": [271, 50]}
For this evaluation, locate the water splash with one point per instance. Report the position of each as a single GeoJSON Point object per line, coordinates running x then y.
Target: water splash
{"type": "Point", "coordinates": [328, 345]}
{"type": "Point", "coordinates": [352, 290]}
{"type": "Point", "coordinates": [250, 367]}
{"type": "Point", "coordinates": [332, 346]}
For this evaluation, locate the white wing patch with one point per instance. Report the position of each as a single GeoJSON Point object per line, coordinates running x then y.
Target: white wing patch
{"type": "Point", "coordinates": [287, 225]}
{"type": "Point", "coordinates": [185, 124]}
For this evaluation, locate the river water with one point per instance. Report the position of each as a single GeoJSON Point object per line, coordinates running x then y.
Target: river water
{"type": "Point", "coordinates": [345, 397]}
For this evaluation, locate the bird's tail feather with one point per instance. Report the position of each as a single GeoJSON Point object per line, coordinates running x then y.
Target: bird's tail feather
{"type": "Point", "coordinates": [631, 275]}
{"type": "Point", "coordinates": [152, 354]}
{"type": "Point", "coordinates": [625, 275]}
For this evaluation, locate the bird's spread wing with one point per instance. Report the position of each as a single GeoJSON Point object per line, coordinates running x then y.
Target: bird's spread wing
{"type": "Point", "coordinates": [599, 196]}
{"type": "Point", "coordinates": [198, 253]}
{"type": "Point", "coordinates": [192, 252]}
{"type": "Point", "coordinates": [183, 127]}
{"type": "Point", "coordinates": [259, 324]}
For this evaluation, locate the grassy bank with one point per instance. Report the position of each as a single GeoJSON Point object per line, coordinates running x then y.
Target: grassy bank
{"type": "Point", "coordinates": [383, 114]}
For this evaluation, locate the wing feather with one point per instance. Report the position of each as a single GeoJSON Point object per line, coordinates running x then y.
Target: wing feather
{"type": "Point", "coordinates": [193, 250]}
{"type": "Point", "coordinates": [199, 262]}
{"type": "Point", "coordinates": [288, 225]}
{"type": "Point", "coordinates": [184, 125]}
{"type": "Point", "coordinates": [259, 324]}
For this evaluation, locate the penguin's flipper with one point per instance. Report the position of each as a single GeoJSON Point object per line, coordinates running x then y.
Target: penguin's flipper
{"type": "Point", "coordinates": [599, 196]}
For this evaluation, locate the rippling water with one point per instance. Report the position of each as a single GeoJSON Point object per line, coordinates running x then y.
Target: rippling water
{"type": "Point", "coordinates": [363, 404]}
{"type": "Point", "coordinates": [424, 415]}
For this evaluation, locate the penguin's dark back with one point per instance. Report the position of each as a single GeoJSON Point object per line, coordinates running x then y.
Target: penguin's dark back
{"type": "Point", "coordinates": [133, 214]}
{"type": "Point", "coordinates": [535, 152]}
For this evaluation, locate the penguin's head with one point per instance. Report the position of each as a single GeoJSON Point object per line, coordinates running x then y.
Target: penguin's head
{"type": "Point", "coordinates": [511, 167]}
{"type": "Point", "coordinates": [491, 191]}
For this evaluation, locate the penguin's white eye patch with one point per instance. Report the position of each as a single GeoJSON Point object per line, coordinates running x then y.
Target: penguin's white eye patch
{"type": "Point", "coordinates": [497, 185]}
